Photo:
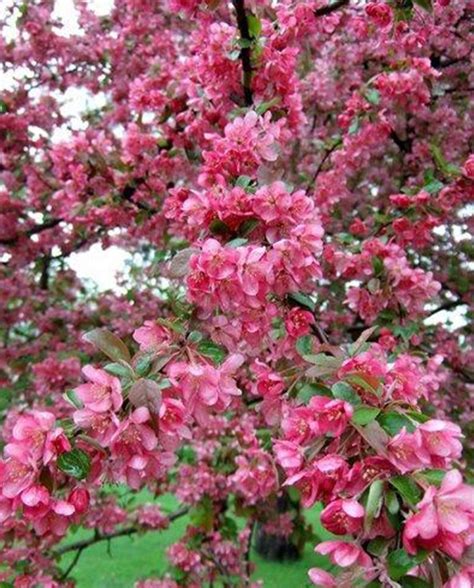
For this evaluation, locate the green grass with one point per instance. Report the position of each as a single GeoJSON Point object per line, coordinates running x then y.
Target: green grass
{"type": "Point", "coordinates": [127, 559]}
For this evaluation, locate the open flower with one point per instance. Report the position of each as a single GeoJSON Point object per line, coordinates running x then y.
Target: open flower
{"type": "Point", "coordinates": [343, 517]}
{"type": "Point", "coordinates": [445, 518]}
{"type": "Point", "coordinates": [103, 393]}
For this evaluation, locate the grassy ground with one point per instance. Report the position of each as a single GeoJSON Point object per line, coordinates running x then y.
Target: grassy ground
{"type": "Point", "coordinates": [129, 558]}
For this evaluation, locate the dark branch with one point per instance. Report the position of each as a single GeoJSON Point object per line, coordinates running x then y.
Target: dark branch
{"type": "Point", "coordinates": [446, 306]}
{"type": "Point", "coordinates": [404, 145]}
{"type": "Point", "coordinates": [325, 10]}
{"type": "Point", "coordinates": [73, 564]}
{"type": "Point", "coordinates": [321, 163]}
{"type": "Point", "coordinates": [44, 278]}
{"type": "Point", "coordinates": [33, 231]}
{"type": "Point", "coordinates": [243, 25]}
{"type": "Point", "coordinates": [126, 531]}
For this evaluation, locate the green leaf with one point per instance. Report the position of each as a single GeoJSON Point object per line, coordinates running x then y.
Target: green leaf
{"type": "Point", "coordinates": [308, 390]}
{"type": "Point", "coordinates": [433, 186]}
{"type": "Point", "coordinates": [5, 398]}
{"type": "Point", "coordinates": [373, 96]}
{"type": "Point", "coordinates": [365, 415]}
{"type": "Point", "coordinates": [239, 242]}
{"type": "Point", "coordinates": [143, 364]}
{"type": "Point", "coordinates": [425, 4]}
{"type": "Point", "coordinates": [243, 181]}
{"type": "Point", "coordinates": [304, 345]}
{"type": "Point", "coordinates": [195, 337]}
{"type": "Point", "coordinates": [434, 476]}
{"type": "Point", "coordinates": [302, 300]}
{"type": "Point", "coordinates": [377, 265]}
{"type": "Point", "coordinates": [343, 391]}
{"type": "Point", "coordinates": [393, 423]}
{"type": "Point", "coordinates": [248, 226]}
{"type": "Point", "coordinates": [447, 168]}
{"type": "Point", "coordinates": [361, 382]}
{"type": "Point", "coordinates": [244, 43]}
{"type": "Point", "coordinates": [218, 227]}
{"type": "Point", "coordinates": [374, 504]}
{"type": "Point", "coordinates": [391, 502]}
{"type": "Point", "coordinates": [254, 25]}
{"type": "Point", "coordinates": [407, 488]}
{"type": "Point", "coordinates": [399, 562]}
{"type": "Point", "coordinates": [419, 417]}
{"type": "Point", "coordinates": [211, 350]}
{"type": "Point", "coordinates": [406, 331]}
{"type": "Point", "coordinates": [121, 370]}
{"type": "Point", "coordinates": [264, 106]}
{"type": "Point", "coordinates": [377, 546]}
{"type": "Point", "coordinates": [3, 107]}
{"type": "Point", "coordinates": [354, 127]}
{"type": "Point", "coordinates": [75, 463]}
{"type": "Point", "coordinates": [72, 398]}
{"type": "Point", "coordinates": [109, 344]}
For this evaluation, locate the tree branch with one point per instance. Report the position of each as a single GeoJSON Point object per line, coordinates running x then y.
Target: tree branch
{"type": "Point", "coordinates": [325, 10]}
{"type": "Point", "coordinates": [73, 564]}
{"type": "Point", "coordinates": [33, 231]}
{"type": "Point", "coordinates": [450, 304]}
{"type": "Point", "coordinates": [84, 543]}
{"type": "Point", "coordinates": [243, 25]}
{"type": "Point", "coordinates": [321, 163]}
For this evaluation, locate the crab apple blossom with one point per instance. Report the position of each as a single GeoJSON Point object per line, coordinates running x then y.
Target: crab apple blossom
{"type": "Point", "coordinates": [291, 183]}
{"type": "Point", "coordinates": [444, 520]}
{"type": "Point", "coordinates": [343, 516]}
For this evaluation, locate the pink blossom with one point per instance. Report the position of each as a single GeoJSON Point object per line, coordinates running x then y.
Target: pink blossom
{"type": "Point", "coordinates": [80, 499]}
{"type": "Point", "coordinates": [15, 476]}
{"type": "Point", "coordinates": [407, 452]}
{"type": "Point", "coordinates": [331, 416]}
{"type": "Point", "coordinates": [441, 441]}
{"type": "Point", "coordinates": [103, 393]}
{"type": "Point", "coordinates": [343, 516]}
{"type": "Point", "coordinates": [468, 167]}
{"type": "Point", "coordinates": [344, 554]}
{"type": "Point", "coordinates": [445, 518]}
{"type": "Point", "coordinates": [298, 322]}
{"type": "Point", "coordinates": [255, 477]}
{"type": "Point", "coordinates": [289, 455]}
{"type": "Point", "coordinates": [322, 578]}
{"type": "Point", "coordinates": [152, 336]}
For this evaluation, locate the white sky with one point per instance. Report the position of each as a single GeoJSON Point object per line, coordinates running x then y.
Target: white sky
{"type": "Point", "coordinates": [100, 265]}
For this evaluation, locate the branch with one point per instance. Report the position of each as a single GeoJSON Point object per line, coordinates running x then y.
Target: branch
{"type": "Point", "coordinates": [446, 306]}
{"type": "Point", "coordinates": [72, 565]}
{"type": "Point", "coordinates": [325, 10]}
{"type": "Point", "coordinates": [243, 25]}
{"type": "Point", "coordinates": [248, 564]}
{"type": "Point", "coordinates": [321, 163]}
{"type": "Point", "coordinates": [404, 145]}
{"type": "Point", "coordinates": [120, 533]}
{"type": "Point", "coordinates": [33, 231]}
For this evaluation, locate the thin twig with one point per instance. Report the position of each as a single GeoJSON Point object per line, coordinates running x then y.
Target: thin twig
{"type": "Point", "coordinates": [72, 565]}
{"type": "Point", "coordinates": [321, 163]}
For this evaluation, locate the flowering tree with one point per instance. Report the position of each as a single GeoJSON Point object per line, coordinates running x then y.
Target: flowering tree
{"type": "Point", "coordinates": [294, 180]}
